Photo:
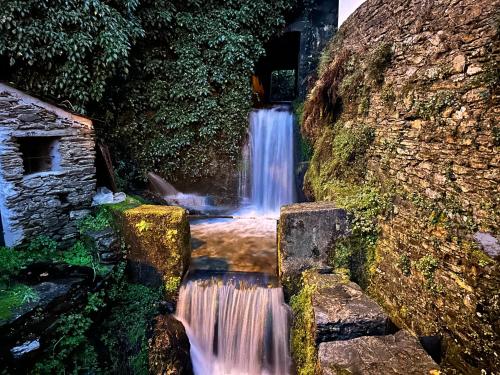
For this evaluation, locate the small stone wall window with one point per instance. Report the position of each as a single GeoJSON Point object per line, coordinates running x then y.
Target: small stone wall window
{"type": "Point", "coordinates": [40, 154]}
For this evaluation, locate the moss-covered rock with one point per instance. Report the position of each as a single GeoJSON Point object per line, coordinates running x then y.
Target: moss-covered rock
{"type": "Point", "coordinates": [158, 242]}
{"type": "Point", "coordinates": [307, 233]}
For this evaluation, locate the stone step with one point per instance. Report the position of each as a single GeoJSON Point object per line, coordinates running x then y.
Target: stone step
{"type": "Point", "coordinates": [398, 354]}
{"type": "Point", "coordinates": [342, 311]}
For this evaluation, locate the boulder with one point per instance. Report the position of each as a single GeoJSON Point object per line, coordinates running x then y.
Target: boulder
{"type": "Point", "coordinates": [342, 311]}
{"type": "Point", "coordinates": [158, 242]}
{"type": "Point", "coordinates": [169, 348]}
{"type": "Point", "coordinates": [398, 354]}
{"type": "Point", "coordinates": [307, 232]}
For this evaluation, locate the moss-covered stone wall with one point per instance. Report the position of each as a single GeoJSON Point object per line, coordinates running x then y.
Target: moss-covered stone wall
{"type": "Point", "coordinates": [404, 121]}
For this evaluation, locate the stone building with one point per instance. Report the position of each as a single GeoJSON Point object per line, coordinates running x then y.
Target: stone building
{"type": "Point", "coordinates": [47, 171]}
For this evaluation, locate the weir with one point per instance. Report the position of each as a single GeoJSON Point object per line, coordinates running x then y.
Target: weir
{"type": "Point", "coordinates": [239, 324]}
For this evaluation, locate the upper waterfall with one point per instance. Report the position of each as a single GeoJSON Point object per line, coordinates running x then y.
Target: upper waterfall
{"type": "Point", "coordinates": [271, 159]}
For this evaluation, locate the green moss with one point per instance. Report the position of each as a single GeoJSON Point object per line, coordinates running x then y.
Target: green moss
{"type": "Point", "coordinates": [427, 266]}
{"type": "Point", "coordinates": [404, 265]}
{"type": "Point", "coordinates": [303, 345]}
{"type": "Point", "coordinates": [13, 298]}
{"type": "Point", "coordinates": [377, 62]}
{"type": "Point", "coordinates": [339, 153]}
{"type": "Point", "coordinates": [432, 107]}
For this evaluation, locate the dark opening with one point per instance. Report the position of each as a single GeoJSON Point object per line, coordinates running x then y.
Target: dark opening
{"type": "Point", "coordinates": [39, 153]}
{"type": "Point", "coordinates": [278, 68]}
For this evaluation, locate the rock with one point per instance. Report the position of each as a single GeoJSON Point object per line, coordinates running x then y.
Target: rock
{"type": "Point", "coordinates": [342, 311]}
{"type": "Point", "coordinates": [158, 240]}
{"type": "Point", "coordinates": [106, 244]}
{"type": "Point", "coordinates": [169, 348]}
{"type": "Point", "coordinates": [459, 63]}
{"type": "Point", "coordinates": [473, 70]}
{"type": "Point", "coordinates": [488, 243]}
{"type": "Point", "coordinates": [306, 234]}
{"type": "Point", "coordinates": [25, 348]}
{"type": "Point", "coordinates": [392, 354]}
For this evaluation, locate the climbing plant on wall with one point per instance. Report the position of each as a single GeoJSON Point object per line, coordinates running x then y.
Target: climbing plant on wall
{"type": "Point", "coordinates": [167, 81]}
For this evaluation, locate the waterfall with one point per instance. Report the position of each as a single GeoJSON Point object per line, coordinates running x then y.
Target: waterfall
{"type": "Point", "coordinates": [235, 328]}
{"type": "Point", "coordinates": [271, 154]}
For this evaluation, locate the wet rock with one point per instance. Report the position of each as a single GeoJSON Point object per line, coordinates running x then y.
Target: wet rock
{"type": "Point", "coordinates": [158, 241]}
{"type": "Point", "coordinates": [398, 354]}
{"type": "Point", "coordinates": [106, 244]}
{"type": "Point", "coordinates": [306, 234]}
{"type": "Point", "coordinates": [169, 348]}
{"type": "Point", "coordinates": [342, 311]}
{"type": "Point", "coordinates": [25, 348]}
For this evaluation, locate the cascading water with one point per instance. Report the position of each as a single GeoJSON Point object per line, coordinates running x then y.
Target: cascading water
{"type": "Point", "coordinates": [235, 328]}
{"type": "Point", "coordinates": [271, 155]}
{"type": "Point", "coordinates": [241, 327]}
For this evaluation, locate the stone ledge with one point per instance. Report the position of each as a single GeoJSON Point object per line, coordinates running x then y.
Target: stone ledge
{"type": "Point", "coordinates": [398, 354]}
{"type": "Point", "coordinates": [342, 311]}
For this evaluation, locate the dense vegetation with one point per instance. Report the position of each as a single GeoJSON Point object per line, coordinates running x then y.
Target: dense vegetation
{"type": "Point", "coordinates": [167, 82]}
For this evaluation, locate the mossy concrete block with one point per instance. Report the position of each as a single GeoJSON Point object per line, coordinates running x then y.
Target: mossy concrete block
{"type": "Point", "coordinates": [342, 311]}
{"type": "Point", "coordinates": [158, 242]}
{"type": "Point", "coordinates": [307, 232]}
{"type": "Point", "coordinates": [397, 354]}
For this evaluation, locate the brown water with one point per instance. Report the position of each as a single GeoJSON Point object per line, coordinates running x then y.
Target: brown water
{"type": "Point", "coordinates": [235, 245]}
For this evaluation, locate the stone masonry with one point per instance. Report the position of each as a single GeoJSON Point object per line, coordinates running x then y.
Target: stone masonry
{"type": "Point", "coordinates": [437, 139]}
{"type": "Point", "coordinates": [47, 172]}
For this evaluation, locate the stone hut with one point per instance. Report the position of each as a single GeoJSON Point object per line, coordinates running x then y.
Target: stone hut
{"type": "Point", "coordinates": [47, 169]}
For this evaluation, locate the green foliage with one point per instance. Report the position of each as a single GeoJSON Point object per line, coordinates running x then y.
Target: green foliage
{"type": "Point", "coordinates": [378, 60]}
{"type": "Point", "coordinates": [81, 255]}
{"type": "Point", "coordinates": [405, 265]}
{"type": "Point", "coordinates": [13, 298]}
{"type": "Point", "coordinates": [427, 266]}
{"type": "Point", "coordinates": [68, 49]}
{"type": "Point", "coordinates": [124, 332]}
{"type": "Point", "coordinates": [41, 248]}
{"type": "Point", "coordinates": [167, 81]}
{"type": "Point", "coordinates": [11, 261]}
{"type": "Point", "coordinates": [98, 221]}
{"type": "Point", "coordinates": [282, 85]}
{"type": "Point", "coordinates": [70, 350]}
{"type": "Point", "coordinates": [303, 345]}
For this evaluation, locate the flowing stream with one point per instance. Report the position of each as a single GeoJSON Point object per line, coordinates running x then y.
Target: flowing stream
{"type": "Point", "coordinates": [238, 325]}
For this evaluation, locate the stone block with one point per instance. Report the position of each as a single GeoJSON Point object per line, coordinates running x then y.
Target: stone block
{"type": "Point", "coordinates": [342, 311]}
{"type": "Point", "coordinates": [306, 234]}
{"type": "Point", "coordinates": [398, 354]}
{"type": "Point", "coordinates": [158, 241]}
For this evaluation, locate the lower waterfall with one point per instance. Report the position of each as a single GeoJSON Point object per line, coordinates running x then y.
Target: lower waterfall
{"type": "Point", "coordinates": [235, 327]}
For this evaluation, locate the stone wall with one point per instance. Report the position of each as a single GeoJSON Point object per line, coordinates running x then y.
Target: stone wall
{"type": "Point", "coordinates": [432, 103]}
{"type": "Point", "coordinates": [48, 202]}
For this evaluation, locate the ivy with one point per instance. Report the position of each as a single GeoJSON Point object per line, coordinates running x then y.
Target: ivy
{"type": "Point", "coordinates": [166, 81]}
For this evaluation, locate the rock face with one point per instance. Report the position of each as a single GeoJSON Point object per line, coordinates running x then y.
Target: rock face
{"type": "Point", "coordinates": [169, 348]}
{"type": "Point", "coordinates": [342, 311]}
{"type": "Point", "coordinates": [398, 354]}
{"type": "Point", "coordinates": [158, 242]}
{"type": "Point", "coordinates": [306, 234]}
{"type": "Point", "coordinates": [47, 173]}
